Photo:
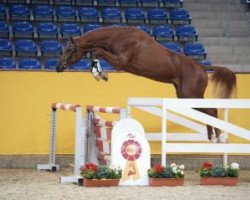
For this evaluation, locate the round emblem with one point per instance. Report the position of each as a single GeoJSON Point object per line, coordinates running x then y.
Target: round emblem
{"type": "Point", "coordinates": [131, 150]}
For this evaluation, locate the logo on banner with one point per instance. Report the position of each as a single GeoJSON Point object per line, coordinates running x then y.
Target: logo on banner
{"type": "Point", "coordinates": [131, 150]}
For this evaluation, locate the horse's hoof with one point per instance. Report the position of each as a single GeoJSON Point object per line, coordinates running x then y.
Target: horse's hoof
{"type": "Point", "coordinates": [104, 76]}
{"type": "Point", "coordinates": [97, 77]}
{"type": "Point", "coordinates": [213, 139]}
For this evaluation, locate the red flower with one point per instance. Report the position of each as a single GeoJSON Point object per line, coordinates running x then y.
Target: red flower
{"type": "Point", "coordinates": [159, 168]}
{"type": "Point", "coordinates": [91, 166]}
{"type": "Point", "coordinates": [207, 165]}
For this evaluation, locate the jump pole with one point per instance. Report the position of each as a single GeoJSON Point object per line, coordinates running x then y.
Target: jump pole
{"type": "Point", "coordinates": [79, 142]}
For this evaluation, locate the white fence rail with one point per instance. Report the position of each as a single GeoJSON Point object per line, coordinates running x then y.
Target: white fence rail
{"type": "Point", "coordinates": [164, 108]}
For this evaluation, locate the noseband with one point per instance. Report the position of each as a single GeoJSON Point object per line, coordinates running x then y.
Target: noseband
{"type": "Point", "coordinates": [74, 51]}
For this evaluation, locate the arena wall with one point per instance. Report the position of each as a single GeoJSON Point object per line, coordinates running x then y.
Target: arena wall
{"type": "Point", "coordinates": [26, 98]}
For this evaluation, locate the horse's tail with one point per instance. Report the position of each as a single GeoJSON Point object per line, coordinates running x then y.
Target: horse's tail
{"type": "Point", "coordinates": [224, 82]}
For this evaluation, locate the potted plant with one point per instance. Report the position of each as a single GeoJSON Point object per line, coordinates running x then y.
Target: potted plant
{"type": "Point", "coordinates": [219, 175]}
{"type": "Point", "coordinates": [100, 176]}
{"type": "Point", "coordinates": [171, 175]}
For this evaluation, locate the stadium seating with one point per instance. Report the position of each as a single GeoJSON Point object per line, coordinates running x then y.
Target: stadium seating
{"type": "Point", "coordinates": [106, 2]}
{"type": "Point", "coordinates": [4, 29]}
{"type": "Point", "coordinates": [19, 12]}
{"type": "Point", "coordinates": [29, 63]}
{"type": "Point", "coordinates": [47, 30]}
{"type": "Point", "coordinates": [70, 29]}
{"type": "Point", "coordinates": [205, 63]}
{"type": "Point", "coordinates": [84, 2]}
{"type": "Point", "coordinates": [23, 29]}
{"type": "Point", "coordinates": [157, 15]}
{"type": "Point", "coordinates": [180, 16]}
{"type": "Point", "coordinates": [82, 64]}
{"type": "Point", "coordinates": [111, 15]}
{"type": "Point", "coordinates": [88, 14]}
{"type": "Point", "coordinates": [90, 27]}
{"type": "Point", "coordinates": [173, 46]}
{"type": "Point", "coordinates": [51, 48]}
{"type": "Point", "coordinates": [105, 65]}
{"type": "Point", "coordinates": [129, 3]}
{"type": "Point", "coordinates": [186, 33]}
{"type": "Point", "coordinates": [34, 2]}
{"type": "Point", "coordinates": [2, 12]}
{"type": "Point", "coordinates": [5, 47]}
{"type": "Point", "coordinates": [62, 2]}
{"type": "Point", "coordinates": [163, 33]}
{"type": "Point", "coordinates": [25, 47]}
{"type": "Point", "coordinates": [195, 50]}
{"type": "Point", "coordinates": [43, 13]}
{"type": "Point", "coordinates": [145, 28]}
{"type": "Point", "coordinates": [135, 16]}
{"type": "Point", "coordinates": [172, 3]}
{"type": "Point", "coordinates": [51, 63]}
{"type": "Point", "coordinates": [7, 63]}
{"type": "Point", "coordinates": [150, 3]}
{"type": "Point", "coordinates": [66, 13]}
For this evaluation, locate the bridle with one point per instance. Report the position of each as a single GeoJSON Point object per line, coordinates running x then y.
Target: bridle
{"type": "Point", "coordinates": [74, 51]}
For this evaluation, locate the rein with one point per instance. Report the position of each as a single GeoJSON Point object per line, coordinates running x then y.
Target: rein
{"type": "Point", "coordinates": [65, 64]}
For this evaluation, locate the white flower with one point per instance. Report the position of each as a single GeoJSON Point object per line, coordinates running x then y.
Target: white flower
{"type": "Point", "coordinates": [173, 165]}
{"type": "Point", "coordinates": [235, 166]}
{"type": "Point", "coordinates": [182, 167]}
{"type": "Point", "coordinates": [182, 172]}
{"type": "Point", "coordinates": [174, 169]}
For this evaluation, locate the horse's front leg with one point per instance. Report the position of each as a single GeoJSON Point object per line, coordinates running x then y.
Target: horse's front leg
{"type": "Point", "coordinates": [96, 70]}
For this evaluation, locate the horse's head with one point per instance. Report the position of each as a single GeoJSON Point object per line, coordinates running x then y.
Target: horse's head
{"type": "Point", "coordinates": [71, 55]}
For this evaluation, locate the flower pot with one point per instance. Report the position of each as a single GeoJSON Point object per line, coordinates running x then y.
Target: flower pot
{"type": "Point", "coordinates": [156, 182]}
{"type": "Point", "coordinates": [227, 181]}
{"type": "Point", "coordinates": [100, 182]}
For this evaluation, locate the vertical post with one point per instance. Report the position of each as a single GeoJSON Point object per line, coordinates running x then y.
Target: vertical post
{"type": "Point", "coordinates": [225, 155]}
{"type": "Point", "coordinates": [164, 131]}
{"type": "Point", "coordinates": [52, 154]}
{"type": "Point", "coordinates": [79, 141]}
{"type": "Point", "coordinates": [228, 19]}
{"type": "Point", "coordinates": [123, 113]}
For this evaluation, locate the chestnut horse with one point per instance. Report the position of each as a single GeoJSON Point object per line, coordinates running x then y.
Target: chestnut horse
{"type": "Point", "coordinates": [131, 50]}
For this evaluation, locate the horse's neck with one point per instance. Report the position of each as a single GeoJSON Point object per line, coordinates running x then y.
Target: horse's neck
{"type": "Point", "coordinates": [94, 39]}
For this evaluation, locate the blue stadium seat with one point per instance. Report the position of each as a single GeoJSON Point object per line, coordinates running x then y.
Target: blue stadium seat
{"type": "Point", "coordinates": [84, 2]}
{"type": "Point", "coordinates": [173, 46]}
{"type": "Point", "coordinates": [70, 29]}
{"type": "Point", "coordinates": [47, 30]}
{"type": "Point", "coordinates": [129, 3]}
{"type": "Point", "coordinates": [180, 16]}
{"type": "Point", "coordinates": [66, 13]}
{"type": "Point", "coordinates": [144, 28]}
{"type": "Point", "coordinates": [90, 27]}
{"type": "Point", "coordinates": [23, 29]}
{"type": "Point", "coordinates": [29, 64]}
{"type": "Point", "coordinates": [88, 14]}
{"type": "Point", "coordinates": [62, 2]}
{"type": "Point", "coordinates": [43, 13]}
{"type": "Point", "coordinates": [111, 15]}
{"type": "Point", "coordinates": [186, 33]}
{"type": "Point", "coordinates": [157, 16]}
{"type": "Point", "coordinates": [4, 29]}
{"type": "Point", "coordinates": [106, 2]}
{"type": "Point", "coordinates": [19, 12]}
{"type": "Point", "coordinates": [2, 12]}
{"type": "Point", "coordinates": [5, 47]}
{"type": "Point", "coordinates": [105, 65]}
{"type": "Point", "coordinates": [51, 48]}
{"type": "Point", "coordinates": [163, 33]}
{"type": "Point", "coordinates": [82, 64]}
{"type": "Point", "coordinates": [7, 63]}
{"type": "Point", "coordinates": [195, 50]}
{"type": "Point", "coordinates": [16, 1]}
{"type": "Point", "coordinates": [25, 47]}
{"type": "Point", "coordinates": [150, 3]}
{"type": "Point", "coordinates": [51, 63]}
{"type": "Point", "coordinates": [172, 3]}
{"type": "Point", "coordinates": [135, 16]}
{"type": "Point", "coordinates": [205, 63]}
